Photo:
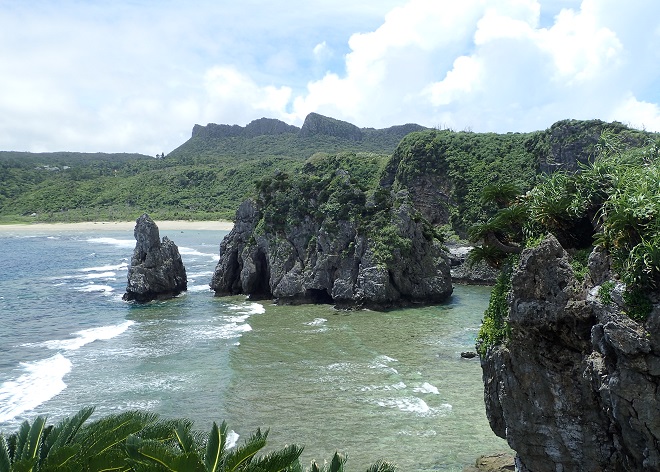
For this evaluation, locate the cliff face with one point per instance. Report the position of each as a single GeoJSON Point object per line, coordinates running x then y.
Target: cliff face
{"type": "Point", "coordinates": [576, 385]}
{"type": "Point", "coordinates": [327, 248]}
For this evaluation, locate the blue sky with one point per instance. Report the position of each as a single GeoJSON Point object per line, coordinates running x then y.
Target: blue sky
{"type": "Point", "coordinates": [136, 75]}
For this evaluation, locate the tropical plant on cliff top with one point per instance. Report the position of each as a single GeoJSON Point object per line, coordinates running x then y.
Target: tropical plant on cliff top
{"type": "Point", "coordinates": [613, 202]}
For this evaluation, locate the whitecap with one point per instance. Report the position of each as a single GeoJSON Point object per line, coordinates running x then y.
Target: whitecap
{"type": "Point", "coordinates": [228, 331]}
{"type": "Point", "coordinates": [41, 381]}
{"type": "Point", "coordinates": [251, 308]}
{"type": "Point", "coordinates": [415, 405]}
{"type": "Point", "coordinates": [87, 336]}
{"type": "Point", "coordinates": [408, 404]}
{"type": "Point", "coordinates": [191, 252]}
{"type": "Point", "coordinates": [236, 319]}
{"type": "Point", "coordinates": [427, 388]}
{"type": "Point", "coordinates": [396, 386]}
{"type": "Point", "coordinates": [113, 242]}
{"type": "Point", "coordinates": [199, 288]}
{"type": "Point", "coordinates": [232, 439]}
{"type": "Point", "coordinates": [195, 275]}
{"type": "Point", "coordinates": [101, 275]}
{"type": "Point", "coordinates": [95, 288]}
{"type": "Point", "coordinates": [316, 322]}
{"type": "Point", "coordinates": [381, 362]}
{"type": "Point", "coordinates": [105, 268]}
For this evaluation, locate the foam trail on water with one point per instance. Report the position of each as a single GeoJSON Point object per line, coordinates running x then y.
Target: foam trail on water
{"type": "Point", "coordinates": [316, 322]}
{"type": "Point", "coordinates": [87, 336]}
{"type": "Point", "coordinates": [114, 242]}
{"type": "Point", "coordinates": [427, 388]}
{"type": "Point", "coordinates": [105, 268]}
{"type": "Point", "coordinates": [199, 288]}
{"type": "Point", "coordinates": [96, 288]}
{"type": "Point", "coordinates": [41, 381]}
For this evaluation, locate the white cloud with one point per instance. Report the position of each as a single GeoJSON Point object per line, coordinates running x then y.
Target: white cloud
{"type": "Point", "coordinates": [235, 96]}
{"type": "Point", "coordinates": [491, 66]}
{"type": "Point", "coordinates": [137, 76]}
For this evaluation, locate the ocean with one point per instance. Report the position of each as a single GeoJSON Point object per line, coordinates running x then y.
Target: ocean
{"type": "Point", "coordinates": [371, 385]}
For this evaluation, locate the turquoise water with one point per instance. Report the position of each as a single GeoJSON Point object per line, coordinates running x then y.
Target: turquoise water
{"type": "Point", "coordinates": [372, 385]}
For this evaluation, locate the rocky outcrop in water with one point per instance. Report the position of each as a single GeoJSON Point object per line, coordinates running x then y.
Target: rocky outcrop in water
{"type": "Point", "coordinates": [576, 385]}
{"type": "Point", "coordinates": [325, 241]}
{"type": "Point", "coordinates": [156, 270]}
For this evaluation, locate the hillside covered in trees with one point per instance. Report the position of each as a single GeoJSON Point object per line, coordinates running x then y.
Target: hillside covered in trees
{"type": "Point", "coordinates": [210, 174]}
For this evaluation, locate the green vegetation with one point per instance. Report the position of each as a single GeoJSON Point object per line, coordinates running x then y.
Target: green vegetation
{"type": "Point", "coordinates": [495, 327]}
{"type": "Point", "coordinates": [605, 292]}
{"type": "Point", "coordinates": [205, 178]}
{"type": "Point", "coordinates": [140, 441]}
{"type": "Point", "coordinates": [210, 174]}
{"type": "Point", "coordinates": [613, 202]}
{"type": "Point", "coordinates": [461, 164]}
{"type": "Point", "coordinates": [330, 190]}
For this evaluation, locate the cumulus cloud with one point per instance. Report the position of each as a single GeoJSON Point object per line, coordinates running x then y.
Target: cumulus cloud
{"type": "Point", "coordinates": [138, 76]}
{"type": "Point", "coordinates": [507, 73]}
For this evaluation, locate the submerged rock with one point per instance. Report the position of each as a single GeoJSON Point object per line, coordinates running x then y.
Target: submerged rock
{"type": "Point", "coordinates": [156, 270]}
{"type": "Point", "coordinates": [575, 387]}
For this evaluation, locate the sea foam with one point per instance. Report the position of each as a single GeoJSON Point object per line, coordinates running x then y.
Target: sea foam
{"type": "Point", "coordinates": [41, 381]}
{"type": "Point", "coordinates": [87, 336]}
{"type": "Point", "coordinates": [114, 242]}
{"type": "Point", "coordinates": [105, 268]}
{"type": "Point", "coordinates": [427, 388]}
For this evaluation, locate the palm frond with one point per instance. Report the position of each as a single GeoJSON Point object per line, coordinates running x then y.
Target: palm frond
{"type": "Point", "coordinates": [281, 460]}
{"type": "Point", "coordinates": [245, 453]}
{"type": "Point", "coordinates": [382, 466]}
{"type": "Point", "coordinates": [109, 431]}
{"type": "Point", "coordinates": [4, 455]}
{"type": "Point", "coordinates": [64, 432]}
{"type": "Point", "coordinates": [215, 447]}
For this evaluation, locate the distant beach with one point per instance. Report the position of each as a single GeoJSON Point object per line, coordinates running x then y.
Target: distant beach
{"type": "Point", "coordinates": [118, 225]}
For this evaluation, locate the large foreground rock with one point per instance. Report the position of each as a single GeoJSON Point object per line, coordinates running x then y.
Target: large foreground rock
{"type": "Point", "coordinates": [576, 387]}
{"type": "Point", "coordinates": [316, 261]}
{"type": "Point", "coordinates": [156, 270]}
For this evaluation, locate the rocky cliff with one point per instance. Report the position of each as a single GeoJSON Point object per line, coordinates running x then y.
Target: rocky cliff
{"type": "Point", "coordinates": [156, 270]}
{"type": "Point", "coordinates": [576, 384]}
{"type": "Point", "coordinates": [445, 171]}
{"type": "Point", "coordinates": [312, 239]}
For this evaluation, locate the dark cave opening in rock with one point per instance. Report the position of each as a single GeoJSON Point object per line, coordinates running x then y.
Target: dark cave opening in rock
{"type": "Point", "coordinates": [261, 287]}
{"type": "Point", "coordinates": [315, 295]}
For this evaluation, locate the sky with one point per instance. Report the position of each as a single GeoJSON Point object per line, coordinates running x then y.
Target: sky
{"type": "Point", "coordinates": [137, 75]}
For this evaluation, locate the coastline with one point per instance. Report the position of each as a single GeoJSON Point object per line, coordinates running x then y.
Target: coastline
{"type": "Point", "coordinates": [168, 225]}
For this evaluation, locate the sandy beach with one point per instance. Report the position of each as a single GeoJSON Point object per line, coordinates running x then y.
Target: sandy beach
{"type": "Point", "coordinates": [117, 225]}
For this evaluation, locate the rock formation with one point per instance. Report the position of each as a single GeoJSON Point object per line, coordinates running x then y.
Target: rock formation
{"type": "Point", "coordinates": [316, 124]}
{"type": "Point", "coordinates": [156, 270]}
{"type": "Point", "coordinates": [464, 273]}
{"type": "Point", "coordinates": [317, 252]}
{"type": "Point", "coordinates": [575, 387]}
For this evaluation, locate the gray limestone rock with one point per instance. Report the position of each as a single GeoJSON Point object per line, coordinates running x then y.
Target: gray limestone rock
{"type": "Point", "coordinates": [156, 270]}
{"type": "Point", "coordinates": [575, 386]}
{"type": "Point", "coordinates": [313, 261]}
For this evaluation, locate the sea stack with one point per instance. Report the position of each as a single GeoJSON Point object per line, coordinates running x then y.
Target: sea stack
{"type": "Point", "coordinates": [156, 270]}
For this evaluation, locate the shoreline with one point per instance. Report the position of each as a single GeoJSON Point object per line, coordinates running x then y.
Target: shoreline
{"type": "Point", "coordinates": [167, 225]}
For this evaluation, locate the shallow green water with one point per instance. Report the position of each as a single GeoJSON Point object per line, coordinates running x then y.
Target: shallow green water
{"type": "Point", "coordinates": [372, 385]}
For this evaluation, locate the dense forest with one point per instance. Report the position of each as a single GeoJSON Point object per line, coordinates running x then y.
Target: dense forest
{"type": "Point", "coordinates": [211, 173]}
